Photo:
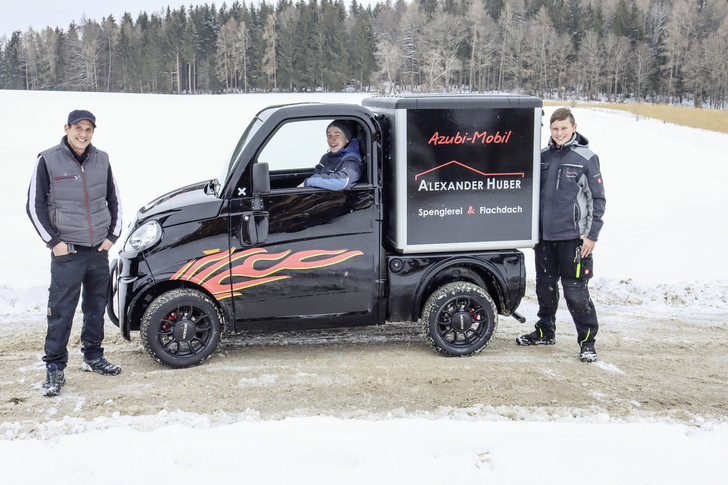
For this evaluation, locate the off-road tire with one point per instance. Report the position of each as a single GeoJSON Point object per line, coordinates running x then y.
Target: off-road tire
{"type": "Point", "coordinates": [181, 328]}
{"type": "Point", "coordinates": [459, 319]}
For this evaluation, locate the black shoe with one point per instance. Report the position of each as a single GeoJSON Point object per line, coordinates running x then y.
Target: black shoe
{"type": "Point", "coordinates": [54, 380]}
{"type": "Point", "coordinates": [588, 353]}
{"type": "Point", "coordinates": [102, 366]}
{"type": "Point", "coordinates": [535, 338]}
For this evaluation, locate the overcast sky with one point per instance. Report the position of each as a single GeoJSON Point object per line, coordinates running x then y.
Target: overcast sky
{"type": "Point", "coordinates": [22, 14]}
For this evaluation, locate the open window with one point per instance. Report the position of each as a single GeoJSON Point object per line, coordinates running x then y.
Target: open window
{"type": "Point", "coordinates": [296, 148]}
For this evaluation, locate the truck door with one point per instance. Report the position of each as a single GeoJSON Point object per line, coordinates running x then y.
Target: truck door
{"type": "Point", "coordinates": [318, 265]}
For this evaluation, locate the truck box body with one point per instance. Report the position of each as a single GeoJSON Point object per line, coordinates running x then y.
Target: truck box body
{"type": "Point", "coordinates": [465, 173]}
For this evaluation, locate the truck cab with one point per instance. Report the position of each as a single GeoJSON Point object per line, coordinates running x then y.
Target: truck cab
{"type": "Point", "coordinates": [418, 237]}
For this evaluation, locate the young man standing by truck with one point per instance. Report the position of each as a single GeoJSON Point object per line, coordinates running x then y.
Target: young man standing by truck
{"type": "Point", "coordinates": [572, 205]}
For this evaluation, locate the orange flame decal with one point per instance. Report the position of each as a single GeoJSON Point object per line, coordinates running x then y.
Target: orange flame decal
{"type": "Point", "coordinates": [209, 272]}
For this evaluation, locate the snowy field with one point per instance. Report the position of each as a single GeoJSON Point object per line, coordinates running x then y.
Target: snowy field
{"type": "Point", "coordinates": [657, 253]}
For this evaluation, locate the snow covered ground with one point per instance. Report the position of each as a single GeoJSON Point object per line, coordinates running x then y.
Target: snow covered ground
{"type": "Point", "coordinates": [661, 248]}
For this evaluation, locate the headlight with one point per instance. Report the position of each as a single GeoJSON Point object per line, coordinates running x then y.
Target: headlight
{"type": "Point", "coordinates": [144, 237]}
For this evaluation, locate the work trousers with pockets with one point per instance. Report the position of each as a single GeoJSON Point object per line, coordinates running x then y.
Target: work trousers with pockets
{"type": "Point", "coordinates": [561, 260]}
{"type": "Point", "coordinates": [86, 269]}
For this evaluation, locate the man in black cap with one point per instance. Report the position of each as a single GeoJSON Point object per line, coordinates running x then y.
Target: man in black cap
{"type": "Point", "coordinates": [341, 167]}
{"type": "Point", "coordinates": [74, 204]}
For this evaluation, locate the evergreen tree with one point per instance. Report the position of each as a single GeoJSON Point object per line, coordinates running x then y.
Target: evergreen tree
{"type": "Point", "coordinates": [306, 68]}
{"type": "Point", "coordinates": [361, 46]}
{"type": "Point", "coordinates": [288, 19]}
{"type": "Point", "coordinates": [51, 68]}
{"type": "Point", "coordinates": [206, 21]}
{"type": "Point", "coordinates": [626, 21]}
{"type": "Point", "coordinates": [127, 55]}
{"type": "Point", "coordinates": [332, 43]}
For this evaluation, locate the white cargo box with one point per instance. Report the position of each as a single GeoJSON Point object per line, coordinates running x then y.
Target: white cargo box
{"type": "Point", "coordinates": [464, 171]}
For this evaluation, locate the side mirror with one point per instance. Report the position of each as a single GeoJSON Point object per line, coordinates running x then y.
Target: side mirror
{"type": "Point", "coordinates": [212, 187]}
{"type": "Point", "coordinates": [261, 178]}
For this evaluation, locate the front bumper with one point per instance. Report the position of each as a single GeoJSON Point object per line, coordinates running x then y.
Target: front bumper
{"type": "Point", "coordinates": [126, 281]}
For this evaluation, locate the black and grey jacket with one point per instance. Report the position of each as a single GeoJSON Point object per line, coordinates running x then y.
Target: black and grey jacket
{"type": "Point", "coordinates": [74, 202]}
{"type": "Point", "coordinates": [572, 191]}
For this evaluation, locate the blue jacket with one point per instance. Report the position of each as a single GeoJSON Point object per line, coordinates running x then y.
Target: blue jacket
{"type": "Point", "coordinates": [572, 191]}
{"type": "Point", "coordinates": [338, 171]}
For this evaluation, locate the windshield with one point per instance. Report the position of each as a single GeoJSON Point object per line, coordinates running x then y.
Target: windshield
{"type": "Point", "coordinates": [252, 128]}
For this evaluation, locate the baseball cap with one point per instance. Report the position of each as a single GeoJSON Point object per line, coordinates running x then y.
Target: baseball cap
{"type": "Point", "coordinates": [81, 114]}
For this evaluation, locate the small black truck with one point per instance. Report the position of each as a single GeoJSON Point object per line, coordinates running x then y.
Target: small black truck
{"type": "Point", "coordinates": [431, 232]}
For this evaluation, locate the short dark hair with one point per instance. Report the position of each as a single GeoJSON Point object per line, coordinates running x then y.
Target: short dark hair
{"type": "Point", "coordinates": [562, 114]}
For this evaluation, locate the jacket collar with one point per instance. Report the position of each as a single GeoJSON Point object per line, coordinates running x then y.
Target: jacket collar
{"type": "Point", "coordinates": [79, 158]}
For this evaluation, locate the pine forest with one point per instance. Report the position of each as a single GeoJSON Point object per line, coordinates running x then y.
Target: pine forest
{"type": "Point", "coordinates": [664, 51]}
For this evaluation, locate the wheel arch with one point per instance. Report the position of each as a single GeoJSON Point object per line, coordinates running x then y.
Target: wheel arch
{"type": "Point", "coordinates": [481, 273]}
{"type": "Point", "coordinates": [148, 294]}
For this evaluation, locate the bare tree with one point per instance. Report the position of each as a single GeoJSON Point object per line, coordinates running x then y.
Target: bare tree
{"type": "Point", "coordinates": [592, 61]}
{"type": "Point", "coordinates": [483, 56]}
{"type": "Point", "coordinates": [444, 34]}
{"type": "Point", "coordinates": [50, 46]}
{"type": "Point", "coordinates": [270, 40]}
{"type": "Point", "coordinates": [411, 45]}
{"type": "Point", "coordinates": [656, 20]}
{"type": "Point", "coordinates": [232, 46]}
{"type": "Point", "coordinates": [681, 32]}
{"type": "Point", "coordinates": [616, 58]}
{"type": "Point", "coordinates": [84, 52]}
{"type": "Point", "coordinates": [643, 66]}
{"type": "Point", "coordinates": [110, 39]}
{"type": "Point", "coordinates": [542, 39]}
{"type": "Point", "coordinates": [389, 57]}
{"type": "Point", "coordinates": [512, 33]}
{"type": "Point", "coordinates": [707, 70]}
{"type": "Point", "coordinates": [189, 54]}
{"type": "Point", "coordinates": [29, 59]}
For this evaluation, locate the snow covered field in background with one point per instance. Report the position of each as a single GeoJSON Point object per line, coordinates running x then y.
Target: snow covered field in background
{"type": "Point", "coordinates": [661, 250]}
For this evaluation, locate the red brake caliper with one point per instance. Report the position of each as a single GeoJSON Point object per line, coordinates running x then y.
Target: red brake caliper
{"type": "Point", "coordinates": [167, 322]}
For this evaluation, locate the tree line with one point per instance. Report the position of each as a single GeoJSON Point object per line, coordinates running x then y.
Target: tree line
{"type": "Point", "coordinates": [671, 51]}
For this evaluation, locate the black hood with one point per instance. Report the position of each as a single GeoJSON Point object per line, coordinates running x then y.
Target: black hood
{"type": "Point", "coordinates": [168, 209]}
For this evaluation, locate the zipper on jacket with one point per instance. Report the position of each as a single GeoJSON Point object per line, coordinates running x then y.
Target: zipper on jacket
{"type": "Point", "coordinates": [88, 211]}
{"type": "Point", "coordinates": [558, 178]}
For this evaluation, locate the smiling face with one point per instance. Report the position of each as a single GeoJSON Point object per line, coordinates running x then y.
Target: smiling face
{"type": "Point", "coordinates": [336, 139]}
{"type": "Point", "coordinates": [562, 131]}
{"type": "Point", "coordinates": [79, 135]}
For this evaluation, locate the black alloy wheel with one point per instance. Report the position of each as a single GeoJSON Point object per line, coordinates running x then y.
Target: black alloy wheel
{"type": "Point", "coordinates": [459, 319]}
{"type": "Point", "coordinates": [181, 328]}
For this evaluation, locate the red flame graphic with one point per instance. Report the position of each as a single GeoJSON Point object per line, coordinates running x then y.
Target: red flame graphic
{"type": "Point", "coordinates": [211, 272]}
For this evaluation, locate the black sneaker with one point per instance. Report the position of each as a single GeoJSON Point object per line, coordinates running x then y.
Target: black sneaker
{"type": "Point", "coordinates": [102, 366]}
{"type": "Point", "coordinates": [54, 380]}
{"type": "Point", "coordinates": [588, 353]}
{"type": "Point", "coordinates": [535, 338]}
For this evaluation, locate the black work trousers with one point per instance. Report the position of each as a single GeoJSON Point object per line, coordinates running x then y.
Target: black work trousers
{"type": "Point", "coordinates": [86, 269]}
{"type": "Point", "coordinates": [561, 260]}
